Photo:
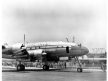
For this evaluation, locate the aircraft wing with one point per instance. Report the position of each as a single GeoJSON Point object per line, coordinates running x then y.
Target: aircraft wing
{"type": "Point", "coordinates": [22, 54]}
{"type": "Point", "coordinates": [19, 54]}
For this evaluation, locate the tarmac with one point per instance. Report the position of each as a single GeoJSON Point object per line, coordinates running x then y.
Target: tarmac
{"type": "Point", "coordinates": [37, 74]}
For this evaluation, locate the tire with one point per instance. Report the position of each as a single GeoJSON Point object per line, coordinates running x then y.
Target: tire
{"type": "Point", "coordinates": [79, 70]}
{"type": "Point", "coordinates": [20, 67]}
{"type": "Point", "coordinates": [45, 67]}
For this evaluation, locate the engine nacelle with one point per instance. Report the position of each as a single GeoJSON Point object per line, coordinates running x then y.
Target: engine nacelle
{"type": "Point", "coordinates": [35, 53]}
{"type": "Point", "coordinates": [16, 46]}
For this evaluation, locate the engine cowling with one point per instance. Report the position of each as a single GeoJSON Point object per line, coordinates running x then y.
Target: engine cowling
{"type": "Point", "coordinates": [35, 53]}
{"type": "Point", "coordinates": [16, 46]}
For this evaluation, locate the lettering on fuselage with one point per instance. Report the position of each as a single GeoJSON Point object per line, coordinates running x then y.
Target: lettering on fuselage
{"type": "Point", "coordinates": [38, 45]}
{"type": "Point", "coordinates": [41, 46]}
{"type": "Point", "coordinates": [55, 47]}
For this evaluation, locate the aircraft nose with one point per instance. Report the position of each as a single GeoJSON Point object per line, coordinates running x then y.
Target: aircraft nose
{"type": "Point", "coordinates": [86, 50]}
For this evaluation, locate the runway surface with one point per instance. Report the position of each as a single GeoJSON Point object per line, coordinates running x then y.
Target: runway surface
{"type": "Point", "coordinates": [33, 74]}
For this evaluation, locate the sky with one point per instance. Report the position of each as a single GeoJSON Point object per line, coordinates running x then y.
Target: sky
{"type": "Point", "coordinates": [55, 20]}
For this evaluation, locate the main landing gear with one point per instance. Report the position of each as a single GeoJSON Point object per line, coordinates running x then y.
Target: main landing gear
{"type": "Point", "coordinates": [79, 69]}
{"type": "Point", "coordinates": [45, 67]}
{"type": "Point", "coordinates": [20, 67]}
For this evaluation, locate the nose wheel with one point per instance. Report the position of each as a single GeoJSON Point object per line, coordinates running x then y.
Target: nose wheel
{"type": "Point", "coordinates": [80, 66]}
{"type": "Point", "coordinates": [45, 66]}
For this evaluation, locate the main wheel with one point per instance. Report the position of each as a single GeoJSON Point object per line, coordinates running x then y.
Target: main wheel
{"type": "Point", "coordinates": [20, 67]}
{"type": "Point", "coordinates": [79, 70]}
{"type": "Point", "coordinates": [45, 67]}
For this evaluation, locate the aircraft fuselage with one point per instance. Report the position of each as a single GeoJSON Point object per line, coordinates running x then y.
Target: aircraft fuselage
{"type": "Point", "coordinates": [52, 49]}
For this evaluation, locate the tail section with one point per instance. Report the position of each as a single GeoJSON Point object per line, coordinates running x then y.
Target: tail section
{"type": "Point", "coordinates": [4, 46]}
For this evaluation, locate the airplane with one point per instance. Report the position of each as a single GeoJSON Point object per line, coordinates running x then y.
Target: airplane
{"type": "Point", "coordinates": [45, 51]}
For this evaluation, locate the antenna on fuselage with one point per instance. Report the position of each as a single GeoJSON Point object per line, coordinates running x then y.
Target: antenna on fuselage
{"type": "Point", "coordinates": [73, 39]}
{"type": "Point", "coordinates": [67, 39]}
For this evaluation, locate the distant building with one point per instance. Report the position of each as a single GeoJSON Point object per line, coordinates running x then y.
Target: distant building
{"type": "Point", "coordinates": [95, 58]}
{"type": "Point", "coordinates": [96, 55]}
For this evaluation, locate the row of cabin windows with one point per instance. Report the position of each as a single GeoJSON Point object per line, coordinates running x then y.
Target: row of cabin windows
{"type": "Point", "coordinates": [28, 48]}
{"type": "Point", "coordinates": [40, 47]}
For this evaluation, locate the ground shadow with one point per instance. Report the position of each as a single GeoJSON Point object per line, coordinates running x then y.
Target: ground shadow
{"type": "Point", "coordinates": [41, 70]}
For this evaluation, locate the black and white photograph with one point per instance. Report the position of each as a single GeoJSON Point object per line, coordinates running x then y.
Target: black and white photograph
{"type": "Point", "coordinates": [54, 40]}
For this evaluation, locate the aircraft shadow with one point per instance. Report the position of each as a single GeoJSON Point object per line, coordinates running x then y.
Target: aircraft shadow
{"type": "Point", "coordinates": [41, 70]}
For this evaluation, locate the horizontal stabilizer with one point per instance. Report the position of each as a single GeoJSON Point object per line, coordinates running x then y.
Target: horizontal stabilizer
{"type": "Point", "coordinates": [3, 47]}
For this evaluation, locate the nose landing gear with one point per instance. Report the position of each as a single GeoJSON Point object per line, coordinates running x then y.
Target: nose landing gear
{"type": "Point", "coordinates": [79, 69]}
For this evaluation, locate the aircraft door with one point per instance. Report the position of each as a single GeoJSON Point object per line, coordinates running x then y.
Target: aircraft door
{"type": "Point", "coordinates": [67, 49]}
